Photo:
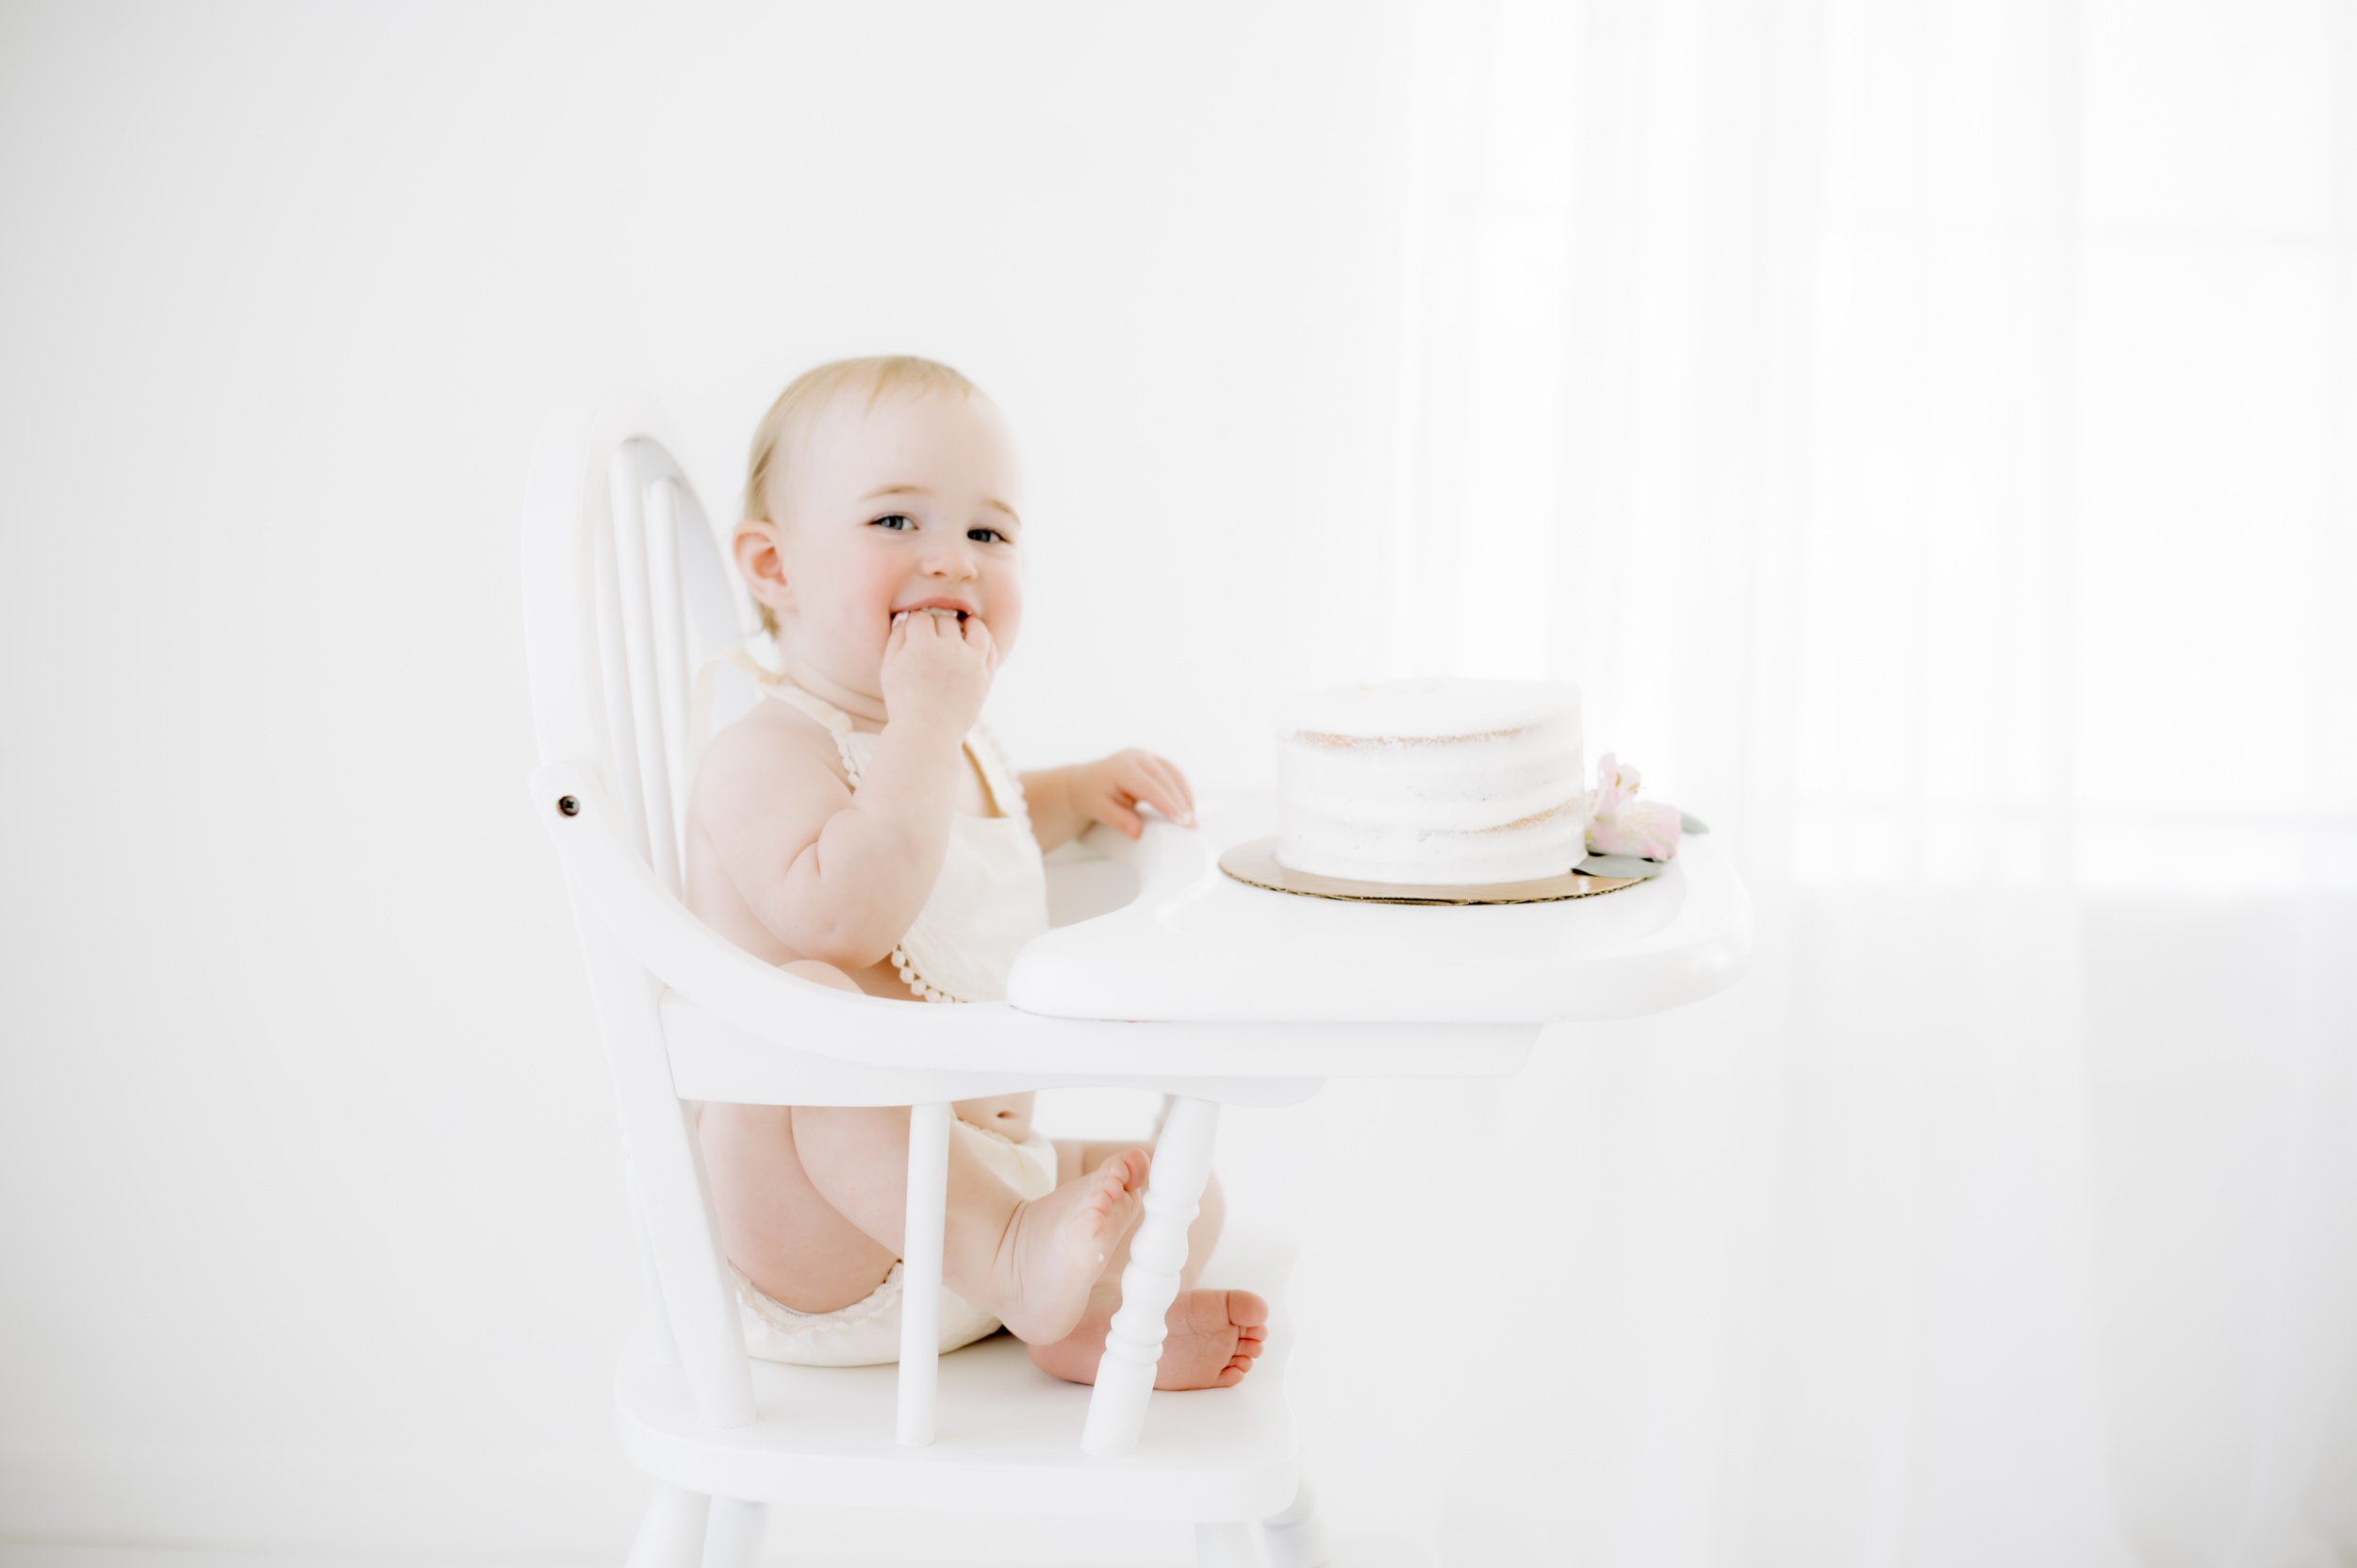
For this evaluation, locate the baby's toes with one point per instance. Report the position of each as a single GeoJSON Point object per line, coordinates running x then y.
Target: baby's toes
{"type": "Point", "coordinates": [1114, 1197]}
{"type": "Point", "coordinates": [1247, 1311]}
{"type": "Point", "coordinates": [1119, 1181]}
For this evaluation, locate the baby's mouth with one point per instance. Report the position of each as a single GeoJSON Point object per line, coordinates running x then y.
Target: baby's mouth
{"type": "Point", "coordinates": [932, 609]}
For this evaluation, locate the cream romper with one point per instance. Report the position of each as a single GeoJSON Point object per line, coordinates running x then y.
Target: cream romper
{"type": "Point", "coordinates": [991, 898]}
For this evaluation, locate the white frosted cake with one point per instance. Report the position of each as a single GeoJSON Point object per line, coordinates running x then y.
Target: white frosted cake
{"type": "Point", "coordinates": [1431, 783]}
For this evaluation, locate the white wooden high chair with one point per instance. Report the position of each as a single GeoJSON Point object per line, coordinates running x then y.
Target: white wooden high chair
{"type": "Point", "coordinates": [1235, 995]}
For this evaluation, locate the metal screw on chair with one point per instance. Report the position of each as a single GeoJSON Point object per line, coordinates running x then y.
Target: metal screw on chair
{"type": "Point", "coordinates": [568, 805]}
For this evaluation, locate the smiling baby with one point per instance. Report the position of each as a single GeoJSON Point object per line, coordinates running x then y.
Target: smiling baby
{"type": "Point", "coordinates": [859, 830]}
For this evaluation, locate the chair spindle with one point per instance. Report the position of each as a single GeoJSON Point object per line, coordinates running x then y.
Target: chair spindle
{"type": "Point", "coordinates": [672, 667]}
{"type": "Point", "coordinates": [921, 1272]}
{"type": "Point", "coordinates": [613, 685]}
{"type": "Point", "coordinates": [630, 553]}
{"type": "Point", "coordinates": [1133, 1344]}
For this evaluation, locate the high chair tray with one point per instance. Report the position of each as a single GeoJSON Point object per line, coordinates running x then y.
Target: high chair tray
{"type": "Point", "coordinates": [1194, 944]}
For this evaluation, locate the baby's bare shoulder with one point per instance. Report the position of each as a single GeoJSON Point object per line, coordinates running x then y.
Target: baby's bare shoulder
{"type": "Point", "coordinates": [772, 767]}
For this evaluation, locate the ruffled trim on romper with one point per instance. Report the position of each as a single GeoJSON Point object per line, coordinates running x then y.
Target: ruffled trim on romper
{"type": "Point", "coordinates": [1006, 789]}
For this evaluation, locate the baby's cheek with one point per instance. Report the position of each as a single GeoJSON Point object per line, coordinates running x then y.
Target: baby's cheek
{"type": "Point", "coordinates": [1006, 613]}
{"type": "Point", "coordinates": [864, 608]}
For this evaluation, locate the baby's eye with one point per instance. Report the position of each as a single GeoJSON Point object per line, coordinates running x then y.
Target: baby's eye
{"type": "Point", "coordinates": [985, 535]}
{"type": "Point", "coordinates": [899, 522]}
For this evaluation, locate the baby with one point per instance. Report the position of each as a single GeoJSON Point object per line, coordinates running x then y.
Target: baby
{"type": "Point", "coordinates": [858, 830]}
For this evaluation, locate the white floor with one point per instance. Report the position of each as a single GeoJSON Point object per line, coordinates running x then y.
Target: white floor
{"type": "Point", "coordinates": [1349, 1552]}
{"type": "Point", "coordinates": [19, 1554]}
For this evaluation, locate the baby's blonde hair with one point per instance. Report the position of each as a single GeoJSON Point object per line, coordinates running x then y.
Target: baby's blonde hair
{"type": "Point", "coordinates": [809, 394]}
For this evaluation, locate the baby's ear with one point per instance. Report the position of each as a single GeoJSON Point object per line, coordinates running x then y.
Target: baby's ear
{"type": "Point", "coordinates": [754, 548]}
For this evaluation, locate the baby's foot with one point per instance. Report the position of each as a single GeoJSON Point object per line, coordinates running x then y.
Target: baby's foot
{"type": "Point", "coordinates": [1055, 1249]}
{"type": "Point", "coordinates": [1213, 1338]}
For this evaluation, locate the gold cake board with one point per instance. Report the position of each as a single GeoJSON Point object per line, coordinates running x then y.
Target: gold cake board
{"type": "Point", "coordinates": [1255, 863]}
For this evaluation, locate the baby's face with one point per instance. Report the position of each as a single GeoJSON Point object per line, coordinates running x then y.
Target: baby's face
{"type": "Point", "coordinates": [907, 504]}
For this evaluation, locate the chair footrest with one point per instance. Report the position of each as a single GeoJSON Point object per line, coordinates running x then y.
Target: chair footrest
{"type": "Point", "coordinates": [1008, 1443]}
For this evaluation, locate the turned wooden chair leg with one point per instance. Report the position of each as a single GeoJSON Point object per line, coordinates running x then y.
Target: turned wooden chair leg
{"type": "Point", "coordinates": [1296, 1538]}
{"type": "Point", "coordinates": [672, 1533]}
{"type": "Point", "coordinates": [733, 1533]}
{"type": "Point", "coordinates": [1133, 1344]}
{"type": "Point", "coordinates": [1224, 1546]}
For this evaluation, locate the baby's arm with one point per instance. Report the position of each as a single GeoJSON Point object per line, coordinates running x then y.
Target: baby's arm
{"type": "Point", "coordinates": [1064, 801]}
{"type": "Point", "coordinates": [834, 874]}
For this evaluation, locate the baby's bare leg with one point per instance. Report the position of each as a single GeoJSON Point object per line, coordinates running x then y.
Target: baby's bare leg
{"type": "Point", "coordinates": [775, 1228]}
{"type": "Point", "coordinates": [1031, 1263]}
{"type": "Point", "coordinates": [1212, 1336]}
{"type": "Point", "coordinates": [775, 1225]}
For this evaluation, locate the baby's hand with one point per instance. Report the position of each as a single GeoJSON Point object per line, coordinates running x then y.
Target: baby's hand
{"type": "Point", "coordinates": [938, 670]}
{"type": "Point", "coordinates": [1110, 791]}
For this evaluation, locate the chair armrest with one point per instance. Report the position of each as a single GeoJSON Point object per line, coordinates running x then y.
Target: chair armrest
{"type": "Point", "coordinates": [761, 1005]}
{"type": "Point", "coordinates": [698, 961]}
{"type": "Point", "coordinates": [608, 878]}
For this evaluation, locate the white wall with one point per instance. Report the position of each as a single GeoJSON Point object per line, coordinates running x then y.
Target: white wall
{"type": "Point", "coordinates": [1835, 390]}
{"type": "Point", "coordinates": [312, 1224]}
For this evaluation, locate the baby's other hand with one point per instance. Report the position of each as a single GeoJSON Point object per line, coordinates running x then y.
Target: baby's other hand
{"type": "Point", "coordinates": [938, 670]}
{"type": "Point", "coordinates": [1109, 791]}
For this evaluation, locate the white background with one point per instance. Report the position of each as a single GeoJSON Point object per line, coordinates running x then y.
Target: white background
{"type": "Point", "coordinates": [1927, 436]}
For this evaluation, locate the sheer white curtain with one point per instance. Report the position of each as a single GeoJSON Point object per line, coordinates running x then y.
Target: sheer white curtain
{"type": "Point", "coordinates": [1927, 432]}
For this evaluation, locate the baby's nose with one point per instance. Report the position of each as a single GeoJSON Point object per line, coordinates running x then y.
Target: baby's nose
{"type": "Point", "coordinates": [949, 560]}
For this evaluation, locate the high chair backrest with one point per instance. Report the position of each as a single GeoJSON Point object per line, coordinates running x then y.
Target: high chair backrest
{"type": "Point", "coordinates": [626, 597]}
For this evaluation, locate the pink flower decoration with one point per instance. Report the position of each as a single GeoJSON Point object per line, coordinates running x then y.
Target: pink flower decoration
{"type": "Point", "coordinates": [1620, 824]}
